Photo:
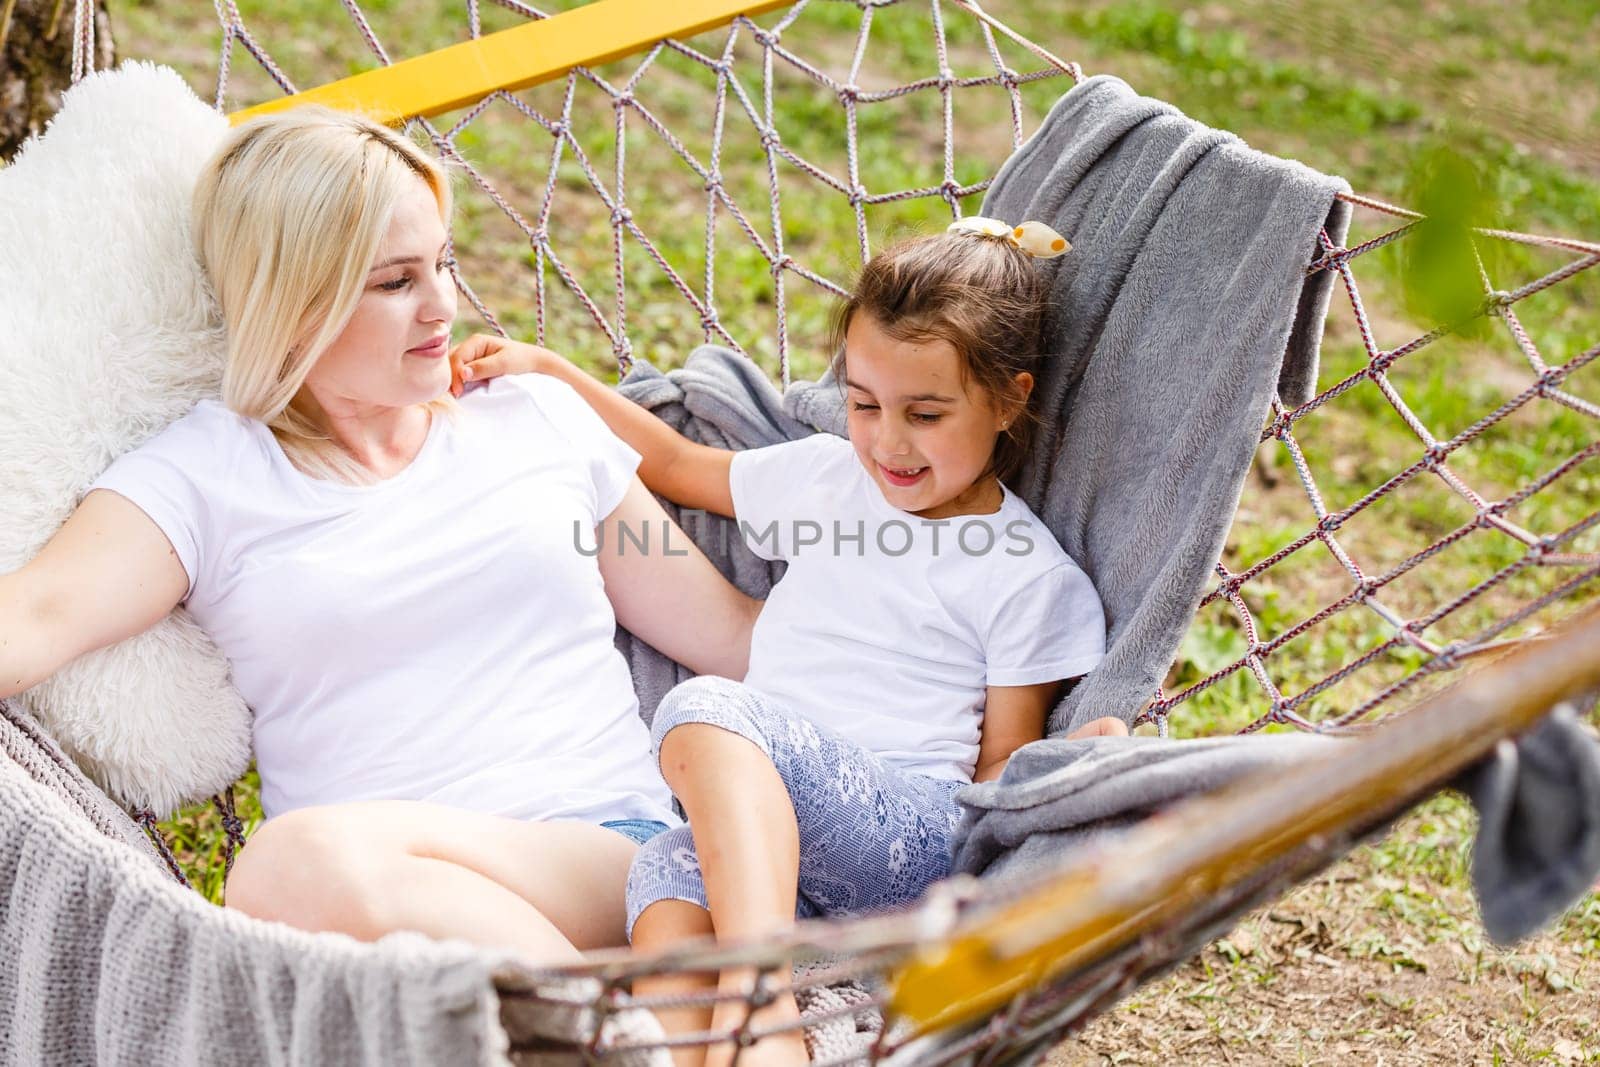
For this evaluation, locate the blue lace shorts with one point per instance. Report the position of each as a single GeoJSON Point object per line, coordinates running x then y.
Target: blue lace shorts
{"type": "Point", "coordinates": [872, 837]}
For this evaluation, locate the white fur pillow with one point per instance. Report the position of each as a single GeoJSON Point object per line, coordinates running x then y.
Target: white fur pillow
{"type": "Point", "coordinates": [108, 333]}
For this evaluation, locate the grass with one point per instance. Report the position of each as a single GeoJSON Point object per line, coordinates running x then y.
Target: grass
{"type": "Point", "coordinates": [1379, 94]}
{"type": "Point", "coordinates": [1379, 959]}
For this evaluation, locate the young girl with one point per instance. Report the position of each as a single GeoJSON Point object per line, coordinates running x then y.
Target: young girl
{"type": "Point", "coordinates": [920, 635]}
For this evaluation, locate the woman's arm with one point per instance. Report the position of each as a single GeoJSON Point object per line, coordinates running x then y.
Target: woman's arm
{"type": "Point", "coordinates": [107, 574]}
{"type": "Point", "coordinates": [690, 474]}
{"type": "Point", "coordinates": [671, 595]}
{"type": "Point", "coordinates": [1015, 715]}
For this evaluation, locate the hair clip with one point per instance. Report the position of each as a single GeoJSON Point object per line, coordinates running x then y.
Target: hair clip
{"type": "Point", "coordinates": [1034, 238]}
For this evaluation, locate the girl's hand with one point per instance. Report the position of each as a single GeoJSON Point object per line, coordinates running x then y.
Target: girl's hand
{"type": "Point", "coordinates": [1103, 727]}
{"type": "Point", "coordinates": [483, 356]}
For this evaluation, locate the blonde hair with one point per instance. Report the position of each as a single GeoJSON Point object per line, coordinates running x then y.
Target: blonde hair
{"type": "Point", "coordinates": [289, 215]}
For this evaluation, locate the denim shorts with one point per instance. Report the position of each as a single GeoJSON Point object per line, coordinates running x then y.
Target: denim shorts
{"type": "Point", "coordinates": [637, 830]}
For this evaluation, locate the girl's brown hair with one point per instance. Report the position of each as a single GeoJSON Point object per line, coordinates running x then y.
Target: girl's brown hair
{"type": "Point", "coordinates": [982, 296]}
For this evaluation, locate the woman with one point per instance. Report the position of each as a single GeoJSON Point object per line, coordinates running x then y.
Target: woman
{"type": "Point", "coordinates": [447, 739]}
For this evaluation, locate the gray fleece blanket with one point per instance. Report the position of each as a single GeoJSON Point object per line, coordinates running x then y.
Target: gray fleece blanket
{"type": "Point", "coordinates": [1181, 310]}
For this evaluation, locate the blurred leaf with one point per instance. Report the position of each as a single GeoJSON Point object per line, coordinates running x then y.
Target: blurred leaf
{"type": "Point", "coordinates": [1440, 276]}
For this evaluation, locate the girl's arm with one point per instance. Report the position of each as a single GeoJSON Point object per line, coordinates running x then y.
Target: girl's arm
{"type": "Point", "coordinates": [1015, 715]}
{"type": "Point", "coordinates": [692, 475]}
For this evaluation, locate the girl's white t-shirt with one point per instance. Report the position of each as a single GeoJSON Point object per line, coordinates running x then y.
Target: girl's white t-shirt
{"type": "Point", "coordinates": [888, 628]}
{"type": "Point", "coordinates": [438, 636]}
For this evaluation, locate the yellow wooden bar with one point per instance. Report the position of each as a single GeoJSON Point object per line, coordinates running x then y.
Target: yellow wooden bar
{"type": "Point", "coordinates": [1173, 864]}
{"type": "Point", "coordinates": [462, 74]}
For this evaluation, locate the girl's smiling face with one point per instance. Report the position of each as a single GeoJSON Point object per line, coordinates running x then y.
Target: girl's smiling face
{"type": "Point", "coordinates": [921, 429]}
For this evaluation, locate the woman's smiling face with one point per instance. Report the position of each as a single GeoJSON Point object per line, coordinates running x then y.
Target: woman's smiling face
{"type": "Point", "coordinates": [919, 426]}
{"type": "Point", "coordinates": [382, 357]}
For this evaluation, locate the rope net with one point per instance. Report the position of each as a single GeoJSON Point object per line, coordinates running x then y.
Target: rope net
{"type": "Point", "coordinates": [1435, 503]}
{"type": "Point", "coordinates": [1396, 525]}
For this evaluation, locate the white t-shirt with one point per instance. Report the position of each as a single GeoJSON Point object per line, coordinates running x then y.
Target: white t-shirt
{"type": "Point", "coordinates": [888, 628]}
{"type": "Point", "coordinates": [437, 636]}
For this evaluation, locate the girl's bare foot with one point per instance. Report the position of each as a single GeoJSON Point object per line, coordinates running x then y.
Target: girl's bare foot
{"type": "Point", "coordinates": [786, 1048]}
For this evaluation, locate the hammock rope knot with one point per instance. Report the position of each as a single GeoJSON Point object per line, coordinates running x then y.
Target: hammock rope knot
{"type": "Point", "coordinates": [149, 824]}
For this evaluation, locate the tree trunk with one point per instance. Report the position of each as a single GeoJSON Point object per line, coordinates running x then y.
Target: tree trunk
{"type": "Point", "coordinates": [36, 63]}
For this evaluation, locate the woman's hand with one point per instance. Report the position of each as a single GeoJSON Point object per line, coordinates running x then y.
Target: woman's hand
{"type": "Point", "coordinates": [484, 356]}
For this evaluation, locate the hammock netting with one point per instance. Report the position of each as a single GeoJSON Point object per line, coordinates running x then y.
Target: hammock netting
{"type": "Point", "coordinates": [1397, 526]}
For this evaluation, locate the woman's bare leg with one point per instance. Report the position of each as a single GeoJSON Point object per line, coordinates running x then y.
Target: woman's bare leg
{"type": "Point", "coordinates": [545, 890]}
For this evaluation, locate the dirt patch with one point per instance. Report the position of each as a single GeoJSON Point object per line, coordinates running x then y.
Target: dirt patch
{"type": "Point", "coordinates": [1368, 964]}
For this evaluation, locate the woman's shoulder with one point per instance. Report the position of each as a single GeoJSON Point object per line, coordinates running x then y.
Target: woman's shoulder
{"type": "Point", "coordinates": [544, 387]}
{"type": "Point", "coordinates": [206, 431]}
{"type": "Point", "coordinates": [195, 463]}
{"type": "Point", "coordinates": [513, 395]}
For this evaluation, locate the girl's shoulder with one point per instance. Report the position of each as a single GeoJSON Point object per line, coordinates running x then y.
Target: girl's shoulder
{"type": "Point", "coordinates": [820, 444]}
{"type": "Point", "coordinates": [799, 461]}
{"type": "Point", "coordinates": [803, 479]}
{"type": "Point", "coordinates": [1033, 541]}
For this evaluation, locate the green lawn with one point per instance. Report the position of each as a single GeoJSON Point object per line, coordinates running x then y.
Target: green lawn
{"type": "Point", "coordinates": [1377, 95]}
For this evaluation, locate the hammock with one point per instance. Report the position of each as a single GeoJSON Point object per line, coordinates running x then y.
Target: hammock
{"type": "Point", "coordinates": [1326, 628]}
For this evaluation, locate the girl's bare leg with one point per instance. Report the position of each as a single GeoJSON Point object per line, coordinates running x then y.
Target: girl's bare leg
{"type": "Point", "coordinates": [661, 925]}
{"type": "Point", "coordinates": [749, 848]}
{"type": "Point", "coordinates": [547, 891]}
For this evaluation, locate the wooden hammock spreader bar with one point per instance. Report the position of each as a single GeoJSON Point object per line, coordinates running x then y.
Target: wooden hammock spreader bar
{"type": "Point", "coordinates": [1101, 903]}
{"type": "Point", "coordinates": [462, 74]}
